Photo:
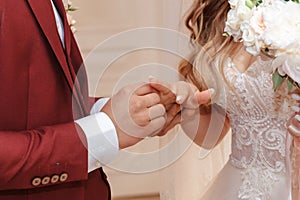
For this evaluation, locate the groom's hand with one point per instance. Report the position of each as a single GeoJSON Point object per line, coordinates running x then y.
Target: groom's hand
{"type": "Point", "coordinates": [168, 99]}
{"type": "Point", "coordinates": [136, 112]}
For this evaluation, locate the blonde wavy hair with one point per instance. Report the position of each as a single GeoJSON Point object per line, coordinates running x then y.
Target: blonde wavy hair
{"type": "Point", "coordinates": [206, 21]}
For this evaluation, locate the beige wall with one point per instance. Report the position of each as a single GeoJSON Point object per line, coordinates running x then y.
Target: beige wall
{"type": "Point", "coordinates": [100, 19]}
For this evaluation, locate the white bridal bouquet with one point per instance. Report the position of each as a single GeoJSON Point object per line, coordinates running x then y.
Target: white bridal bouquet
{"type": "Point", "coordinates": [271, 27]}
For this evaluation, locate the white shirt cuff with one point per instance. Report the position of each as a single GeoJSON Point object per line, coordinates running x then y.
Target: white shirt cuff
{"type": "Point", "coordinates": [97, 107]}
{"type": "Point", "coordinates": [102, 139]}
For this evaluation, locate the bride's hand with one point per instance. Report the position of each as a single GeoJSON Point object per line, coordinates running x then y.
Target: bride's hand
{"type": "Point", "coordinates": [187, 95]}
{"type": "Point", "coordinates": [293, 123]}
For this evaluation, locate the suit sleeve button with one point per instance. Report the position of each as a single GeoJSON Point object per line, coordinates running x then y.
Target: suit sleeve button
{"type": "Point", "coordinates": [54, 178]}
{"type": "Point", "coordinates": [63, 177]}
{"type": "Point", "coordinates": [36, 181]}
{"type": "Point", "coordinates": [45, 180]}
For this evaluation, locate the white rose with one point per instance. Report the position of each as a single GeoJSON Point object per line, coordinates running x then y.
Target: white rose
{"type": "Point", "coordinates": [243, 12]}
{"type": "Point", "coordinates": [288, 65]}
{"type": "Point", "coordinates": [233, 3]}
{"type": "Point", "coordinates": [235, 17]}
{"type": "Point", "coordinates": [257, 22]}
{"type": "Point", "coordinates": [250, 40]}
{"type": "Point", "coordinates": [292, 49]}
{"type": "Point", "coordinates": [282, 21]}
{"type": "Point", "coordinates": [233, 25]}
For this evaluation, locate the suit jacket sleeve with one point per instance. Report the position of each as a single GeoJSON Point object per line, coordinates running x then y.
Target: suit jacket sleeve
{"type": "Point", "coordinates": [43, 154]}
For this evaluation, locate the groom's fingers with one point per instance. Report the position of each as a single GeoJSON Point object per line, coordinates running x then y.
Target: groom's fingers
{"type": "Point", "coordinates": [156, 125]}
{"type": "Point", "coordinates": [172, 112]}
{"type": "Point", "coordinates": [149, 100]}
{"type": "Point", "coordinates": [173, 118]}
{"type": "Point", "coordinates": [160, 86]}
{"type": "Point", "coordinates": [143, 89]}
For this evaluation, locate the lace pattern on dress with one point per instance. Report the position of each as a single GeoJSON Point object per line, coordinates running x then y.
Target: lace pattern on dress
{"type": "Point", "coordinates": [261, 179]}
{"type": "Point", "coordinates": [258, 116]}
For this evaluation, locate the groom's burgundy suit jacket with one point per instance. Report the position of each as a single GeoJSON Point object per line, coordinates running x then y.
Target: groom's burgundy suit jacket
{"type": "Point", "coordinates": [42, 150]}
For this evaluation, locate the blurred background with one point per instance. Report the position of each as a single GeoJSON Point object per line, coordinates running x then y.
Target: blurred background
{"type": "Point", "coordinates": [97, 21]}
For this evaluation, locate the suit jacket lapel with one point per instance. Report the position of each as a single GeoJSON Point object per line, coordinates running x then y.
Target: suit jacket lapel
{"type": "Point", "coordinates": [77, 93]}
{"type": "Point", "coordinates": [46, 20]}
{"type": "Point", "coordinates": [61, 9]}
{"type": "Point", "coordinates": [47, 23]}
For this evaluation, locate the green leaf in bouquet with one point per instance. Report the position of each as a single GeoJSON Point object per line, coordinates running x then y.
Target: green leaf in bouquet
{"type": "Point", "coordinates": [250, 3]}
{"type": "Point", "coordinates": [225, 34]}
{"type": "Point", "coordinates": [296, 1]}
{"type": "Point", "coordinates": [260, 1]}
{"type": "Point", "coordinates": [290, 84]}
{"type": "Point", "coordinates": [277, 80]}
{"type": "Point", "coordinates": [72, 9]}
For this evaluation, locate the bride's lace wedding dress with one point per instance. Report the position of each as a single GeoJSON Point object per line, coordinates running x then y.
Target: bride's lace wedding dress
{"type": "Point", "coordinates": [259, 166]}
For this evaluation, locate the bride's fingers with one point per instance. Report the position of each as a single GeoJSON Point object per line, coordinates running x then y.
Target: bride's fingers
{"type": "Point", "coordinates": [296, 109]}
{"type": "Point", "coordinates": [204, 96]}
{"type": "Point", "coordinates": [201, 98]}
{"type": "Point", "coordinates": [294, 125]}
{"type": "Point", "coordinates": [296, 97]}
{"type": "Point", "coordinates": [185, 94]}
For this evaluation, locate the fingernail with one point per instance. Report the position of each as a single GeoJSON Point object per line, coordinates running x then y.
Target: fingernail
{"type": "Point", "coordinates": [296, 108]}
{"type": "Point", "coordinates": [296, 97]}
{"type": "Point", "coordinates": [294, 130]}
{"type": "Point", "coordinates": [151, 77]}
{"type": "Point", "coordinates": [297, 117]}
{"type": "Point", "coordinates": [212, 91]}
{"type": "Point", "coordinates": [179, 98]}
